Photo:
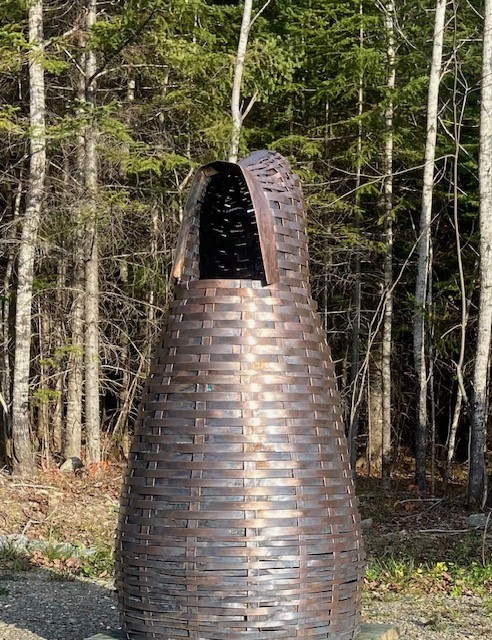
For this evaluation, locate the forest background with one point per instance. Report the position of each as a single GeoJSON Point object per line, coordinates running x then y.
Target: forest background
{"type": "Point", "coordinates": [106, 110]}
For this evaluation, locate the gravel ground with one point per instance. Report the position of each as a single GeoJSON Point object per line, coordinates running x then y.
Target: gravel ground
{"type": "Point", "coordinates": [432, 617]}
{"type": "Point", "coordinates": [34, 606]}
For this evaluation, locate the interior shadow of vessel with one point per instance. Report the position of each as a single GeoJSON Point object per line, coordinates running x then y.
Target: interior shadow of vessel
{"type": "Point", "coordinates": [238, 518]}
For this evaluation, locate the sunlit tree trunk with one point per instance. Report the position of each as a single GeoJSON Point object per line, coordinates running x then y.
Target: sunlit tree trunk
{"type": "Point", "coordinates": [375, 406]}
{"type": "Point", "coordinates": [237, 116]}
{"type": "Point", "coordinates": [461, 393]}
{"type": "Point", "coordinates": [75, 373]}
{"type": "Point", "coordinates": [73, 424]}
{"type": "Point", "coordinates": [423, 265]}
{"type": "Point", "coordinates": [57, 327]}
{"type": "Point", "coordinates": [24, 463]}
{"type": "Point", "coordinates": [357, 291]}
{"type": "Point", "coordinates": [43, 399]}
{"type": "Point", "coordinates": [92, 420]}
{"type": "Point", "coordinates": [388, 257]}
{"type": "Point", "coordinates": [477, 485]}
{"type": "Point", "coordinates": [127, 380]}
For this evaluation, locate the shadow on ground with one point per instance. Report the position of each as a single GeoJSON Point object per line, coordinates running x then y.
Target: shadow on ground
{"type": "Point", "coordinates": [37, 604]}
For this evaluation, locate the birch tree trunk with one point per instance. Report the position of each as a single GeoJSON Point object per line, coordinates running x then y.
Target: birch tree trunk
{"type": "Point", "coordinates": [23, 462]}
{"type": "Point", "coordinates": [75, 373]}
{"type": "Point", "coordinates": [92, 421]}
{"type": "Point", "coordinates": [237, 117]}
{"type": "Point", "coordinates": [388, 257]}
{"type": "Point", "coordinates": [73, 424]}
{"type": "Point", "coordinates": [357, 292]}
{"type": "Point", "coordinates": [57, 321]}
{"type": "Point", "coordinates": [423, 265]}
{"type": "Point", "coordinates": [375, 414]}
{"type": "Point", "coordinates": [460, 394]}
{"type": "Point", "coordinates": [477, 486]}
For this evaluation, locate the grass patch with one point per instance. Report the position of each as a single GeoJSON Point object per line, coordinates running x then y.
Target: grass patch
{"type": "Point", "coordinates": [99, 564]}
{"type": "Point", "coordinates": [65, 564]}
{"type": "Point", "coordinates": [12, 558]}
{"type": "Point", "coordinates": [404, 574]}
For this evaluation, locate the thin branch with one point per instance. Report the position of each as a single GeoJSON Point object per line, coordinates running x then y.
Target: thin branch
{"type": "Point", "coordinates": [250, 105]}
{"type": "Point", "coordinates": [443, 531]}
{"type": "Point", "coordinates": [259, 13]}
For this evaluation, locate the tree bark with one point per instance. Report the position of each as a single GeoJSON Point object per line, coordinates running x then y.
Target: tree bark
{"type": "Point", "coordinates": [57, 326]}
{"type": "Point", "coordinates": [24, 463]}
{"type": "Point", "coordinates": [388, 257]}
{"type": "Point", "coordinates": [73, 426]}
{"type": "Point", "coordinates": [477, 485]}
{"type": "Point", "coordinates": [237, 117]}
{"type": "Point", "coordinates": [423, 265]}
{"type": "Point", "coordinates": [6, 338]}
{"type": "Point", "coordinates": [461, 393]}
{"type": "Point", "coordinates": [75, 372]}
{"type": "Point", "coordinates": [375, 405]}
{"type": "Point", "coordinates": [92, 419]}
{"type": "Point", "coordinates": [357, 291]}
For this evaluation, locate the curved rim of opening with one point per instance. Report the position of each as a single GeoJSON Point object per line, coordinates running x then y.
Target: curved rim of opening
{"type": "Point", "coordinates": [263, 214]}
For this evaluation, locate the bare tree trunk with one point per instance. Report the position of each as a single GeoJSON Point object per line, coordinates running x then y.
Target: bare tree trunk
{"type": "Point", "coordinates": [124, 364]}
{"type": "Point", "coordinates": [357, 292]}
{"type": "Point", "coordinates": [461, 394]}
{"type": "Point", "coordinates": [75, 373]}
{"type": "Point", "coordinates": [43, 398]}
{"type": "Point", "coordinates": [477, 484]}
{"type": "Point", "coordinates": [5, 342]}
{"type": "Point", "coordinates": [24, 463]}
{"type": "Point", "coordinates": [375, 406]}
{"type": "Point", "coordinates": [92, 420]}
{"type": "Point", "coordinates": [388, 257]}
{"type": "Point", "coordinates": [73, 426]}
{"type": "Point", "coordinates": [424, 266]}
{"type": "Point", "coordinates": [127, 384]}
{"type": "Point", "coordinates": [237, 116]}
{"type": "Point", "coordinates": [58, 322]}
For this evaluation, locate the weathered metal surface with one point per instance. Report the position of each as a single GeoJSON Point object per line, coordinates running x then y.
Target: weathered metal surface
{"type": "Point", "coordinates": [238, 518]}
{"type": "Point", "coordinates": [368, 631]}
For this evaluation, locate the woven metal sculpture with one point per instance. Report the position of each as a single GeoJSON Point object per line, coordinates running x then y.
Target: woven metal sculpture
{"type": "Point", "coordinates": [238, 518]}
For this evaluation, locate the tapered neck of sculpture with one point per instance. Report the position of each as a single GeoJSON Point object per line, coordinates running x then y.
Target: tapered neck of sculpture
{"type": "Point", "coordinates": [245, 222]}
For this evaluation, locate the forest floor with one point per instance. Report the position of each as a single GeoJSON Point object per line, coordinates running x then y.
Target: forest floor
{"type": "Point", "coordinates": [429, 572]}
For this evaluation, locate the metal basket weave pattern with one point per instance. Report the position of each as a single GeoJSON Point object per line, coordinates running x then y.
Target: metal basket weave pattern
{"type": "Point", "coordinates": [238, 518]}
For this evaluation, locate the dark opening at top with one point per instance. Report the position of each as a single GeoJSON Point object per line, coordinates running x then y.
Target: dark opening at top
{"type": "Point", "coordinates": [229, 240]}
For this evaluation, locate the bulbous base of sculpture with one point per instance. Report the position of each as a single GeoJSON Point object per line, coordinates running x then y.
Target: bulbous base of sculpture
{"type": "Point", "coordinates": [368, 631]}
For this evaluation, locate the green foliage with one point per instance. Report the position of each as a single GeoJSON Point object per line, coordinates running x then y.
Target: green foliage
{"type": "Point", "coordinates": [162, 108]}
{"type": "Point", "coordinates": [98, 564]}
{"type": "Point", "coordinates": [298, 145]}
{"type": "Point", "coordinates": [44, 282]}
{"type": "Point", "coordinates": [68, 350]}
{"type": "Point", "coordinates": [13, 558]}
{"type": "Point", "coordinates": [43, 396]}
{"type": "Point", "coordinates": [455, 578]}
{"type": "Point", "coordinates": [55, 66]}
{"type": "Point", "coordinates": [9, 121]}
